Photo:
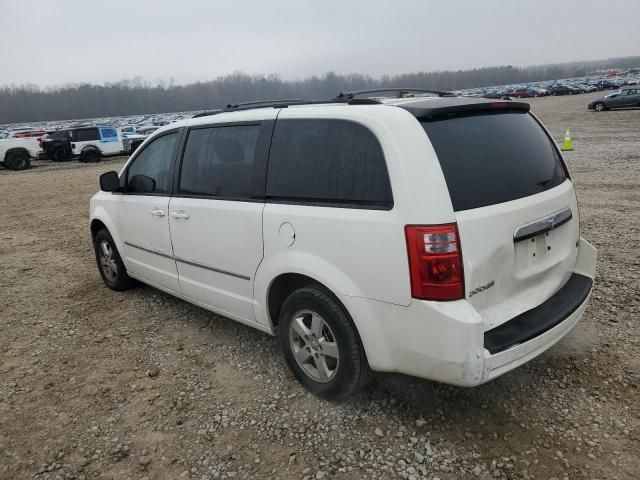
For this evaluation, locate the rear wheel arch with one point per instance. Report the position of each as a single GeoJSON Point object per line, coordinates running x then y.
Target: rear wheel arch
{"type": "Point", "coordinates": [284, 285]}
{"type": "Point", "coordinates": [15, 150]}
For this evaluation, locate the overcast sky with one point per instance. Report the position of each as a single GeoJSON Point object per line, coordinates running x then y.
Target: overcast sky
{"type": "Point", "coordinates": [54, 42]}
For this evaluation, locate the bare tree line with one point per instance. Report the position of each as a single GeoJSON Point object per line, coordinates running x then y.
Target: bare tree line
{"type": "Point", "coordinates": [128, 97]}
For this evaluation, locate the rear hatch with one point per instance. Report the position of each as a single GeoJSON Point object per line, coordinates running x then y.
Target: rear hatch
{"type": "Point", "coordinates": [514, 205]}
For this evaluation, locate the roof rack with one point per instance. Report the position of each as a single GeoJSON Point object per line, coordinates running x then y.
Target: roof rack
{"type": "Point", "coordinates": [232, 107]}
{"type": "Point", "coordinates": [400, 92]}
{"type": "Point", "coordinates": [343, 97]}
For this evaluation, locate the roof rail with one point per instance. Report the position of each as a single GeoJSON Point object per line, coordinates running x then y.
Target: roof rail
{"type": "Point", "coordinates": [284, 103]}
{"type": "Point", "coordinates": [265, 104]}
{"type": "Point", "coordinates": [400, 93]}
{"type": "Point", "coordinates": [206, 114]}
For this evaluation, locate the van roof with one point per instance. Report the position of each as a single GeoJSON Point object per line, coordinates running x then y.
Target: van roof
{"type": "Point", "coordinates": [420, 107]}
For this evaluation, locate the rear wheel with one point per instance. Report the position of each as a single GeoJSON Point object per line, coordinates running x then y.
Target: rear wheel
{"type": "Point", "coordinates": [90, 156]}
{"type": "Point", "coordinates": [110, 265]}
{"type": "Point", "coordinates": [60, 154]}
{"type": "Point", "coordinates": [17, 161]}
{"type": "Point", "coordinates": [321, 345]}
{"type": "Point", "coordinates": [599, 107]}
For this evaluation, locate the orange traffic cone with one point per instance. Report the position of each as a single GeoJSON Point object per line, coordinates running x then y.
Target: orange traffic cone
{"type": "Point", "coordinates": [567, 145]}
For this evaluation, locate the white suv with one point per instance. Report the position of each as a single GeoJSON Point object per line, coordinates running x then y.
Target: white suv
{"type": "Point", "coordinates": [433, 236]}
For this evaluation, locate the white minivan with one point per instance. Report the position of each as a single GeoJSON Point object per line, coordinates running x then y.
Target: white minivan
{"type": "Point", "coordinates": [433, 236]}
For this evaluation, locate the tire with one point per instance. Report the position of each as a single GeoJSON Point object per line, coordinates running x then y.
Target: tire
{"type": "Point", "coordinates": [112, 270]}
{"type": "Point", "coordinates": [60, 154]}
{"type": "Point", "coordinates": [599, 107]}
{"type": "Point", "coordinates": [330, 362]}
{"type": "Point", "coordinates": [17, 161]}
{"type": "Point", "coordinates": [90, 155]}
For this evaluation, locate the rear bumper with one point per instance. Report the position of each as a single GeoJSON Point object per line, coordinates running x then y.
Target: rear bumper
{"type": "Point", "coordinates": [446, 341]}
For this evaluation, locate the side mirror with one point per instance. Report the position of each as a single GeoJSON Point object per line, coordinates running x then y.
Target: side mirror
{"type": "Point", "coordinates": [110, 182]}
{"type": "Point", "coordinates": [142, 184]}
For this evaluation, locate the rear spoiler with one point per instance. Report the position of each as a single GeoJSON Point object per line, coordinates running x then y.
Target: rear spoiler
{"type": "Point", "coordinates": [461, 107]}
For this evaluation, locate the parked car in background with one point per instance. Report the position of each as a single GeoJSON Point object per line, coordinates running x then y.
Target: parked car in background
{"type": "Point", "coordinates": [435, 237]}
{"type": "Point", "coordinates": [57, 145]}
{"type": "Point", "coordinates": [525, 92]}
{"type": "Point", "coordinates": [131, 142]}
{"type": "Point", "coordinates": [30, 134]}
{"type": "Point", "coordinates": [146, 131]}
{"type": "Point", "coordinates": [127, 130]}
{"type": "Point", "coordinates": [17, 153]}
{"type": "Point", "coordinates": [90, 144]}
{"type": "Point", "coordinates": [627, 97]}
{"type": "Point", "coordinates": [563, 90]}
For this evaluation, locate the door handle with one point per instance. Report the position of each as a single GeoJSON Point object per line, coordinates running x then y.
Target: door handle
{"type": "Point", "coordinates": [157, 212]}
{"type": "Point", "coordinates": [180, 214]}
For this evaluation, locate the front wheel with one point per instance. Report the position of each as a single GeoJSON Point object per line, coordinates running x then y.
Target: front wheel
{"type": "Point", "coordinates": [599, 107]}
{"type": "Point", "coordinates": [112, 270]}
{"type": "Point", "coordinates": [321, 345]}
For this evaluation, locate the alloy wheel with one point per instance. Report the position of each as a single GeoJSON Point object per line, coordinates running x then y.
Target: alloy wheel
{"type": "Point", "coordinates": [108, 260]}
{"type": "Point", "coordinates": [314, 346]}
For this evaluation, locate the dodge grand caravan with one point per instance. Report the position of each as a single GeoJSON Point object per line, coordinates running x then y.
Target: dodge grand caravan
{"type": "Point", "coordinates": [433, 236]}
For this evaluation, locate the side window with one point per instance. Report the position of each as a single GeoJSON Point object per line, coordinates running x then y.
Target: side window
{"type": "Point", "coordinates": [327, 161]}
{"type": "Point", "coordinates": [85, 135]}
{"type": "Point", "coordinates": [109, 134]}
{"type": "Point", "coordinates": [150, 171]}
{"type": "Point", "coordinates": [218, 161]}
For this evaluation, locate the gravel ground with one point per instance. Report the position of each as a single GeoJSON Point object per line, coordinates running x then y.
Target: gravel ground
{"type": "Point", "coordinates": [98, 384]}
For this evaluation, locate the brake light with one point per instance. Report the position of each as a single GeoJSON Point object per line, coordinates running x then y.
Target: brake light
{"type": "Point", "coordinates": [435, 262]}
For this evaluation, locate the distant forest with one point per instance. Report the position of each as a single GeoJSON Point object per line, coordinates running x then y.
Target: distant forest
{"type": "Point", "coordinates": [128, 97]}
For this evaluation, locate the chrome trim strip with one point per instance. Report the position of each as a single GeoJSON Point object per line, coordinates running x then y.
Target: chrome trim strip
{"type": "Point", "coordinates": [207, 267]}
{"type": "Point", "coordinates": [542, 225]}
{"type": "Point", "coordinates": [188, 262]}
{"type": "Point", "coordinates": [148, 250]}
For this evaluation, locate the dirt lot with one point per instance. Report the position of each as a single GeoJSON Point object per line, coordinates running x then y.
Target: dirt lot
{"type": "Point", "coordinates": [97, 384]}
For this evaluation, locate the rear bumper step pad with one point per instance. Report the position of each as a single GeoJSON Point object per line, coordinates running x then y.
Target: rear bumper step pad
{"type": "Point", "coordinates": [538, 320]}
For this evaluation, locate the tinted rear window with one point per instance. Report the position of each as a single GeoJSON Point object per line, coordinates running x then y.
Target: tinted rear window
{"type": "Point", "coordinates": [494, 158]}
{"type": "Point", "coordinates": [85, 135]}
{"type": "Point", "coordinates": [333, 162]}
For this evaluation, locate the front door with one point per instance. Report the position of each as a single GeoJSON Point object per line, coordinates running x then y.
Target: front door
{"type": "Point", "coordinates": [215, 214]}
{"type": "Point", "coordinates": [143, 214]}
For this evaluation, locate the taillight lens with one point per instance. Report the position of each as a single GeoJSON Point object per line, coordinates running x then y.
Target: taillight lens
{"type": "Point", "coordinates": [435, 262]}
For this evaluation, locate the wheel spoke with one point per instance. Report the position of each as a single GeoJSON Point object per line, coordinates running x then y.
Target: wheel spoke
{"type": "Point", "coordinates": [322, 368]}
{"type": "Point", "coordinates": [302, 355]}
{"type": "Point", "coordinates": [105, 250]}
{"type": "Point", "coordinates": [316, 325]}
{"type": "Point", "coordinates": [330, 349]}
{"type": "Point", "coordinates": [300, 328]}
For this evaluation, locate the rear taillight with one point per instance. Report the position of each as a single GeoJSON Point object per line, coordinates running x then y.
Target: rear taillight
{"type": "Point", "coordinates": [435, 262]}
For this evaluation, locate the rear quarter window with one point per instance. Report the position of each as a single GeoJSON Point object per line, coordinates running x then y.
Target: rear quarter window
{"type": "Point", "coordinates": [492, 158]}
{"type": "Point", "coordinates": [327, 162]}
{"type": "Point", "coordinates": [85, 135]}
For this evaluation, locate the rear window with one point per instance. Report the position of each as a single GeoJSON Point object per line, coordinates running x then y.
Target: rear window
{"type": "Point", "coordinates": [494, 158]}
{"type": "Point", "coordinates": [327, 162]}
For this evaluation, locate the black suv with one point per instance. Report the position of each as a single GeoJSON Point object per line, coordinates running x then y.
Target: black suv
{"type": "Point", "coordinates": [57, 145]}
